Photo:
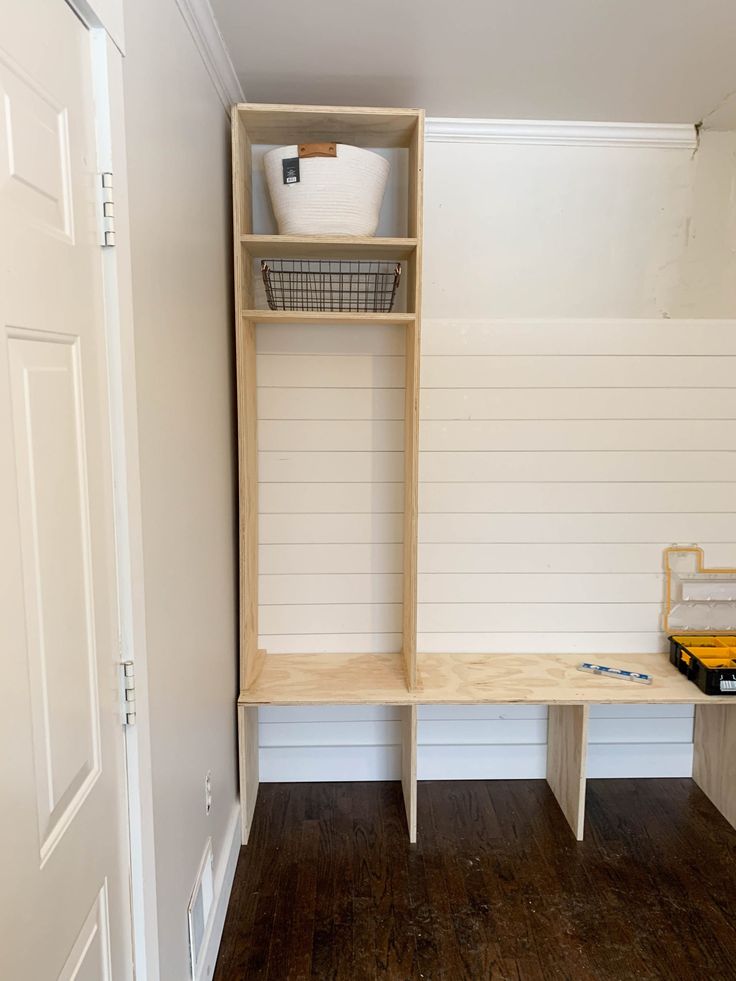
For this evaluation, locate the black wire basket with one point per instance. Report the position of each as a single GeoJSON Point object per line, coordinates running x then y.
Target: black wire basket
{"type": "Point", "coordinates": [331, 285]}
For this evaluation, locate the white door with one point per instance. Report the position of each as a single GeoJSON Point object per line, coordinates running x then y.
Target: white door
{"type": "Point", "coordinates": [64, 879]}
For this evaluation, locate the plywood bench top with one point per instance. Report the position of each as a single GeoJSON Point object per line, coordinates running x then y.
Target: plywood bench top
{"type": "Point", "coordinates": [462, 679]}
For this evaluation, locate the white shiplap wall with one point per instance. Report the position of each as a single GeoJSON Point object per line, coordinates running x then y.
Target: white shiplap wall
{"type": "Point", "coordinates": [557, 459]}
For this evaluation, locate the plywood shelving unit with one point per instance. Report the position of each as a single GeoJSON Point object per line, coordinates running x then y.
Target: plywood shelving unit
{"type": "Point", "coordinates": [405, 679]}
{"type": "Point", "coordinates": [378, 128]}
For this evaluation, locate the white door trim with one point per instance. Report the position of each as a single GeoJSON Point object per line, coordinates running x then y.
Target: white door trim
{"type": "Point", "coordinates": [105, 14]}
{"type": "Point", "coordinates": [116, 264]}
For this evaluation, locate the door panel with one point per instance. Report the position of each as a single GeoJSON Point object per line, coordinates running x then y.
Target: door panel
{"type": "Point", "coordinates": [53, 510]}
{"type": "Point", "coordinates": [34, 150]}
{"type": "Point", "coordinates": [64, 902]}
{"type": "Point", "coordinates": [89, 959]}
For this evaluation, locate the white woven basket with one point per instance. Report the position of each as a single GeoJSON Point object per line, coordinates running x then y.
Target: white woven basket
{"type": "Point", "coordinates": [334, 196]}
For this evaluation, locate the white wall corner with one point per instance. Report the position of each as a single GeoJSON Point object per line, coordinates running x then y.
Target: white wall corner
{"type": "Point", "coordinates": [723, 117]}
{"type": "Point", "coordinates": [226, 864]}
{"type": "Point", "coordinates": [200, 20]}
{"type": "Point", "coordinates": [678, 136]}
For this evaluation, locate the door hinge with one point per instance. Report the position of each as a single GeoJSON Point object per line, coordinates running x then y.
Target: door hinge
{"type": "Point", "coordinates": [127, 692]}
{"type": "Point", "coordinates": [107, 211]}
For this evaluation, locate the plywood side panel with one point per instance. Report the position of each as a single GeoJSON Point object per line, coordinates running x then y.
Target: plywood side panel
{"type": "Point", "coordinates": [248, 486]}
{"type": "Point", "coordinates": [411, 501]}
{"type": "Point", "coordinates": [411, 404]}
{"type": "Point", "coordinates": [248, 764]}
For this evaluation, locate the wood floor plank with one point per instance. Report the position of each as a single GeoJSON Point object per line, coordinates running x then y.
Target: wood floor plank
{"type": "Point", "coordinates": [496, 889]}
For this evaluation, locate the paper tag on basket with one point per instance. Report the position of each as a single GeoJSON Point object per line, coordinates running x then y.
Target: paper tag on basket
{"type": "Point", "coordinates": [291, 170]}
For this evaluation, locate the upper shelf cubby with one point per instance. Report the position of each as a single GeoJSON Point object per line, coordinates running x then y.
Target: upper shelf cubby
{"type": "Point", "coordinates": [280, 124]}
{"type": "Point", "coordinates": [396, 134]}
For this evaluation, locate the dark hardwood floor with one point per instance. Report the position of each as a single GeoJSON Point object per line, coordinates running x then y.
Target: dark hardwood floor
{"type": "Point", "coordinates": [496, 888]}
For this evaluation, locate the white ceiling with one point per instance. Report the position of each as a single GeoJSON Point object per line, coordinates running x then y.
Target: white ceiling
{"type": "Point", "coordinates": [611, 60]}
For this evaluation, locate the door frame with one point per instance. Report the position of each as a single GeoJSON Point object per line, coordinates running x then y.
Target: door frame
{"type": "Point", "coordinates": [104, 19]}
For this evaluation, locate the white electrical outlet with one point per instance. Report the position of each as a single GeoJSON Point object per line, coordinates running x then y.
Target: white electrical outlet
{"type": "Point", "coordinates": [208, 792]}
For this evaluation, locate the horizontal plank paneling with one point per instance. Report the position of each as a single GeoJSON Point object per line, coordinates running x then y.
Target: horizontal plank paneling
{"type": "Point", "coordinates": [302, 763]}
{"type": "Point", "coordinates": [331, 434]}
{"type": "Point", "coordinates": [533, 641]}
{"type": "Point", "coordinates": [328, 713]}
{"type": "Point", "coordinates": [574, 528]}
{"type": "Point", "coordinates": [377, 642]}
{"type": "Point", "coordinates": [640, 760]}
{"type": "Point", "coordinates": [285, 529]}
{"type": "Point", "coordinates": [558, 459]}
{"type": "Point", "coordinates": [590, 558]}
{"type": "Point", "coordinates": [322, 588]}
{"type": "Point", "coordinates": [560, 434]}
{"type": "Point", "coordinates": [330, 371]}
{"type": "Point", "coordinates": [308, 559]}
{"type": "Point", "coordinates": [325, 467]}
{"type": "Point", "coordinates": [642, 712]}
{"type": "Point", "coordinates": [525, 762]}
{"type": "Point", "coordinates": [576, 337]}
{"type": "Point", "coordinates": [545, 497]}
{"type": "Point", "coordinates": [530, 762]}
{"type": "Point", "coordinates": [301, 498]}
{"type": "Point", "coordinates": [571, 371]}
{"type": "Point", "coordinates": [591, 466]}
{"type": "Point", "coordinates": [500, 732]}
{"type": "Point", "coordinates": [330, 619]}
{"type": "Point", "coordinates": [453, 713]}
{"type": "Point", "coordinates": [577, 403]}
{"type": "Point", "coordinates": [637, 730]}
{"type": "Point", "coordinates": [314, 339]}
{"type": "Point", "coordinates": [539, 587]}
{"type": "Point", "coordinates": [327, 733]}
{"type": "Point", "coordinates": [462, 618]}
{"type": "Point", "coordinates": [482, 732]}
{"type": "Point", "coordinates": [330, 403]}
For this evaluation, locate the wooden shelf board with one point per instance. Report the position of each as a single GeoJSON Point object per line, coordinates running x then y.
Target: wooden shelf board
{"type": "Point", "coordinates": [320, 679]}
{"type": "Point", "coordinates": [361, 126]}
{"type": "Point", "coordinates": [318, 317]}
{"type": "Point", "coordinates": [327, 246]}
{"type": "Point", "coordinates": [551, 679]}
{"type": "Point", "coordinates": [467, 679]}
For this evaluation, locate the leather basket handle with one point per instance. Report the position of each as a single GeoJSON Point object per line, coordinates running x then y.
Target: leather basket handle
{"type": "Point", "coordinates": [317, 150]}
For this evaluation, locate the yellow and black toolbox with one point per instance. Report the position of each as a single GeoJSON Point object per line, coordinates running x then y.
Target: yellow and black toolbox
{"type": "Point", "coordinates": [700, 619]}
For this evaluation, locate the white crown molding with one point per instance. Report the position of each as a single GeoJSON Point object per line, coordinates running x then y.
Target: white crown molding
{"type": "Point", "coordinates": [680, 136]}
{"type": "Point", "coordinates": [200, 20]}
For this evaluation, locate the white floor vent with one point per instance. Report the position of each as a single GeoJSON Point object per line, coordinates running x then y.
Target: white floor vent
{"type": "Point", "coordinates": [200, 908]}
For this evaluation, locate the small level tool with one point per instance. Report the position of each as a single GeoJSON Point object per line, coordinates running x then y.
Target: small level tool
{"type": "Point", "coordinates": [640, 679]}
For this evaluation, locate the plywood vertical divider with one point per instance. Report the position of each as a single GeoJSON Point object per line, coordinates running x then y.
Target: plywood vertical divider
{"type": "Point", "coordinates": [411, 408]}
{"type": "Point", "coordinates": [714, 762]}
{"type": "Point", "coordinates": [408, 715]}
{"type": "Point", "coordinates": [567, 753]}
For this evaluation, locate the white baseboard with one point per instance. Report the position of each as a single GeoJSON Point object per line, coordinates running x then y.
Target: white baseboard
{"type": "Point", "coordinates": [224, 876]}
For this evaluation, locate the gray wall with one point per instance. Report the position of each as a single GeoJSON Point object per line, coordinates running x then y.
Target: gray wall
{"type": "Point", "coordinates": [178, 159]}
